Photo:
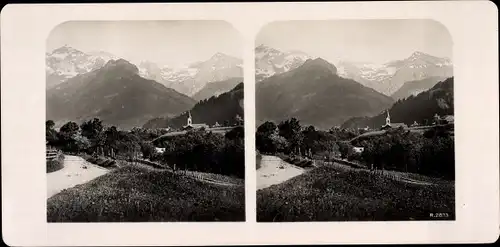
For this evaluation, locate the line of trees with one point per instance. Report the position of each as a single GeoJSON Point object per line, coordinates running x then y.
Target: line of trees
{"type": "Point", "coordinates": [92, 137]}
{"type": "Point", "coordinates": [205, 151]}
{"type": "Point", "coordinates": [290, 137]}
{"type": "Point", "coordinates": [198, 150]}
{"type": "Point", "coordinates": [431, 153]}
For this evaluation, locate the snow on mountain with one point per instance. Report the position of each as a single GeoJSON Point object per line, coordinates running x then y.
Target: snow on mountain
{"type": "Point", "coordinates": [270, 61]}
{"type": "Point", "coordinates": [192, 78]}
{"type": "Point", "coordinates": [389, 77]}
{"type": "Point", "coordinates": [66, 62]}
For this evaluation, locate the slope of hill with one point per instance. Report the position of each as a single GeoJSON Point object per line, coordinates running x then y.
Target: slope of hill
{"type": "Point", "coordinates": [270, 61]}
{"type": "Point", "coordinates": [316, 95]}
{"type": "Point", "coordinates": [420, 108]}
{"type": "Point", "coordinates": [416, 87]}
{"type": "Point", "coordinates": [116, 94]}
{"type": "Point", "coordinates": [389, 77]}
{"type": "Point", "coordinates": [333, 192]}
{"type": "Point", "coordinates": [223, 108]}
{"type": "Point", "coordinates": [157, 195]}
{"type": "Point", "coordinates": [216, 88]}
{"type": "Point", "coordinates": [66, 62]}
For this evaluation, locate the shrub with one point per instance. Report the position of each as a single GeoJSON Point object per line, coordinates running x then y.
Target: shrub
{"type": "Point", "coordinates": [55, 164]}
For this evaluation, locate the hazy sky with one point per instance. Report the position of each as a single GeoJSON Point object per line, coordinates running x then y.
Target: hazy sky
{"type": "Point", "coordinates": [377, 41]}
{"type": "Point", "coordinates": [163, 42]}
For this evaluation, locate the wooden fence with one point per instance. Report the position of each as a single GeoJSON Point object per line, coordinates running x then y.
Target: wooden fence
{"type": "Point", "coordinates": [52, 154]}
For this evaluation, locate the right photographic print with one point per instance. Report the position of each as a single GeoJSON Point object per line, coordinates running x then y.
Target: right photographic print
{"type": "Point", "coordinates": [354, 121]}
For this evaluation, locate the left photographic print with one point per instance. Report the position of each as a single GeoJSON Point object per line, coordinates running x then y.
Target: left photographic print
{"type": "Point", "coordinates": [144, 122]}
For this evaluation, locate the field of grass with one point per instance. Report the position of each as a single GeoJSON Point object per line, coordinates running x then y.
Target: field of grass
{"type": "Point", "coordinates": [139, 194]}
{"type": "Point", "coordinates": [329, 193]}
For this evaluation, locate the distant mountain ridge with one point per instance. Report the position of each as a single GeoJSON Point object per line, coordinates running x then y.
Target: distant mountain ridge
{"type": "Point", "coordinates": [67, 62]}
{"type": "Point", "coordinates": [191, 79]}
{"type": "Point", "coordinates": [421, 108]}
{"type": "Point", "coordinates": [385, 78]}
{"type": "Point", "coordinates": [416, 87]}
{"type": "Point", "coordinates": [217, 88]}
{"type": "Point", "coordinates": [316, 95]}
{"type": "Point", "coordinates": [390, 77]}
{"type": "Point", "coordinates": [116, 94]}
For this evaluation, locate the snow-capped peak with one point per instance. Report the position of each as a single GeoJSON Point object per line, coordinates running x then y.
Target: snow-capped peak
{"type": "Point", "coordinates": [270, 61]}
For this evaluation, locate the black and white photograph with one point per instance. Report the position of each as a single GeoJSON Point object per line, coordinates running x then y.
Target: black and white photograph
{"type": "Point", "coordinates": [144, 122]}
{"type": "Point", "coordinates": [354, 121]}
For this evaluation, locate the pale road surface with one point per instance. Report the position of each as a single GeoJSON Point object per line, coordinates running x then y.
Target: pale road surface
{"type": "Point", "coordinates": [274, 170]}
{"type": "Point", "coordinates": [72, 174]}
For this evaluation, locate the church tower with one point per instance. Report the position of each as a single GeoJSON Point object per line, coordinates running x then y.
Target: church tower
{"type": "Point", "coordinates": [388, 119]}
{"type": "Point", "coordinates": [189, 120]}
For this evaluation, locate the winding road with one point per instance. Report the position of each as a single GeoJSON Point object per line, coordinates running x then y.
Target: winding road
{"type": "Point", "coordinates": [76, 171]}
{"type": "Point", "coordinates": [274, 170]}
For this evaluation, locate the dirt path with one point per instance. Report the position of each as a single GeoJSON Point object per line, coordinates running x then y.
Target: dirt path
{"type": "Point", "coordinates": [76, 171]}
{"type": "Point", "coordinates": [274, 170]}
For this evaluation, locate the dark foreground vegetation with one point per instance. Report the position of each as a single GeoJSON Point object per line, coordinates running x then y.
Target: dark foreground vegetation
{"type": "Point", "coordinates": [55, 164]}
{"type": "Point", "coordinates": [431, 153]}
{"type": "Point", "coordinates": [206, 152]}
{"type": "Point", "coordinates": [197, 150]}
{"type": "Point", "coordinates": [138, 194]}
{"type": "Point", "coordinates": [329, 193]}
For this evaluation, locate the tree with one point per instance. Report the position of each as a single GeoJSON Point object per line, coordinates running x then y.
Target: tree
{"type": "Point", "coordinates": [49, 124]}
{"type": "Point", "coordinates": [291, 131]}
{"type": "Point", "coordinates": [267, 128]}
{"type": "Point", "coordinates": [236, 133]}
{"type": "Point", "coordinates": [289, 128]}
{"type": "Point", "coordinates": [66, 137]}
{"type": "Point", "coordinates": [82, 143]}
{"type": "Point", "coordinates": [50, 133]}
{"type": "Point", "coordinates": [346, 149]}
{"type": "Point", "coordinates": [93, 130]}
{"type": "Point", "coordinates": [69, 128]}
{"type": "Point", "coordinates": [148, 150]}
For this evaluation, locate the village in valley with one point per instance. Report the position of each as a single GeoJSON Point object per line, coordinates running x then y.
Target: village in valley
{"type": "Point", "coordinates": [144, 133]}
{"type": "Point", "coordinates": [340, 138]}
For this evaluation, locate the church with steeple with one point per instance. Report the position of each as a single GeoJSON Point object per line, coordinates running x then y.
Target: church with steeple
{"type": "Point", "coordinates": [389, 125]}
{"type": "Point", "coordinates": [190, 124]}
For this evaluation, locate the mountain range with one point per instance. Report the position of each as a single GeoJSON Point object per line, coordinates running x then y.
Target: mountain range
{"type": "Point", "coordinates": [192, 78]}
{"type": "Point", "coordinates": [116, 94]}
{"type": "Point", "coordinates": [385, 78]}
{"type": "Point", "coordinates": [421, 108]}
{"type": "Point", "coordinates": [315, 94]}
{"type": "Point", "coordinates": [67, 62]}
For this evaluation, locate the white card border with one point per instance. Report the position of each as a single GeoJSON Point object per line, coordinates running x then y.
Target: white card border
{"type": "Point", "coordinates": [474, 30]}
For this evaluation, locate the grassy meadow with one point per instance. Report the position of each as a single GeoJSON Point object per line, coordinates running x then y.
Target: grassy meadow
{"type": "Point", "coordinates": [332, 193]}
{"type": "Point", "coordinates": [137, 194]}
